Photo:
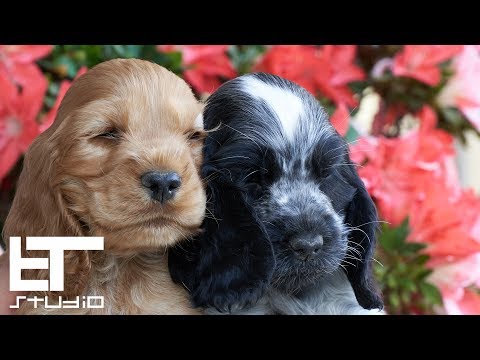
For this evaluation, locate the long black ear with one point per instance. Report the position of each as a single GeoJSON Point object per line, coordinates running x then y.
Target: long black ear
{"type": "Point", "coordinates": [361, 215]}
{"type": "Point", "coordinates": [231, 263]}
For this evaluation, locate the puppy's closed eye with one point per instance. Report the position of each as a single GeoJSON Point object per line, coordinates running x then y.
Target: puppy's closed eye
{"type": "Point", "coordinates": [110, 134]}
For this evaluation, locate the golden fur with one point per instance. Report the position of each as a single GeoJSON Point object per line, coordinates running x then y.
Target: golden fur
{"type": "Point", "coordinates": [77, 183]}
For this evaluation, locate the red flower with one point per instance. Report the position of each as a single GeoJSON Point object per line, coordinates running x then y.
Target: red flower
{"type": "Point", "coordinates": [396, 170]}
{"type": "Point", "coordinates": [18, 126]}
{"type": "Point", "coordinates": [17, 63]}
{"type": "Point", "coordinates": [327, 70]}
{"type": "Point", "coordinates": [420, 61]}
{"type": "Point", "coordinates": [340, 119]}
{"type": "Point", "coordinates": [296, 63]}
{"type": "Point", "coordinates": [335, 70]}
{"type": "Point", "coordinates": [48, 119]}
{"type": "Point", "coordinates": [24, 54]}
{"type": "Point", "coordinates": [468, 304]}
{"type": "Point", "coordinates": [205, 65]}
{"type": "Point", "coordinates": [23, 87]}
{"type": "Point", "coordinates": [435, 219]}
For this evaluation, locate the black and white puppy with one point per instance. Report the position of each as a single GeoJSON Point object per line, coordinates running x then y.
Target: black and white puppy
{"type": "Point", "coordinates": [290, 228]}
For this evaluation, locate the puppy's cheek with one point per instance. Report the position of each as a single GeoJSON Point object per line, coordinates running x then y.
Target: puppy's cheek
{"type": "Point", "coordinates": [117, 199]}
{"type": "Point", "coordinates": [196, 153]}
{"type": "Point", "coordinates": [75, 195]}
{"type": "Point", "coordinates": [196, 212]}
{"type": "Point", "coordinates": [190, 206]}
{"type": "Point", "coordinates": [86, 160]}
{"type": "Point", "coordinates": [195, 192]}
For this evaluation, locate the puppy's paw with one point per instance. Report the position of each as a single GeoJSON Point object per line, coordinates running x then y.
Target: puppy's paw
{"type": "Point", "coordinates": [231, 299]}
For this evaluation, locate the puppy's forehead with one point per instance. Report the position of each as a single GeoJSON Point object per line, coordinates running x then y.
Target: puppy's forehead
{"type": "Point", "coordinates": [286, 105]}
{"type": "Point", "coordinates": [167, 112]}
{"type": "Point", "coordinates": [281, 115]}
{"type": "Point", "coordinates": [141, 110]}
{"type": "Point", "coordinates": [132, 94]}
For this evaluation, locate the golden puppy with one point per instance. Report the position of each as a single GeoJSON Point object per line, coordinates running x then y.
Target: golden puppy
{"type": "Point", "coordinates": [121, 161]}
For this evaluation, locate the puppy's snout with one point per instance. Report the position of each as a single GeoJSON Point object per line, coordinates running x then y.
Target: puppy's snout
{"type": "Point", "coordinates": [161, 186]}
{"type": "Point", "coordinates": [306, 248]}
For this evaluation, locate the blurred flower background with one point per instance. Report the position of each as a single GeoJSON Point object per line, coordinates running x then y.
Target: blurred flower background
{"type": "Point", "coordinates": [411, 115]}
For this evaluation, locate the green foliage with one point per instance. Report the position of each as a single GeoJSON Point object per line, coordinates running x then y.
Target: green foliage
{"type": "Point", "coordinates": [453, 121]}
{"type": "Point", "coordinates": [66, 60]}
{"type": "Point", "coordinates": [402, 273]}
{"type": "Point", "coordinates": [352, 135]}
{"type": "Point", "coordinates": [244, 56]}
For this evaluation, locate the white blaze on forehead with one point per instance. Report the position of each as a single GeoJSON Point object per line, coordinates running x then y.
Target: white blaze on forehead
{"type": "Point", "coordinates": [284, 103]}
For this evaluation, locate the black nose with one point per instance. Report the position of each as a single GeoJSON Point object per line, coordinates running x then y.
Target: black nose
{"type": "Point", "coordinates": [162, 186]}
{"type": "Point", "coordinates": [306, 248]}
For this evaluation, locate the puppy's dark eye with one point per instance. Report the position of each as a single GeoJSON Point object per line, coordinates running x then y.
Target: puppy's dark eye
{"type": "Point", "coordinates": [110, 134]}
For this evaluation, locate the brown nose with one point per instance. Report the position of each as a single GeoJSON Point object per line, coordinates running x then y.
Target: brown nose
{"type": "Point", "coordinates": [161, 186]}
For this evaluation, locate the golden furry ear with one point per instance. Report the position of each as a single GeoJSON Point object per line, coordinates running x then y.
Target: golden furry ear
{"type": "Point", "coordinates": [39, 209]}
{"type": "Point", "coordinates": [78, 265]}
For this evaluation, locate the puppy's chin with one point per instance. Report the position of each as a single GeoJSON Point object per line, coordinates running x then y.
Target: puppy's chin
{"type": "Point", "coordinates": [292, 275]}
{"type": "Point", "coordinates": [152, 234]}
{"type": "Point", "coordinates": [145, 238]}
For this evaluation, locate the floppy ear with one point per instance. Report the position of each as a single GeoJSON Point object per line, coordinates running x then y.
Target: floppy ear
{"type": "Point", "coordinates": [39, 209]}
{"type": "Point", "coordinates": [361, 215]}
{"type": "Point", "coordinates": [231, 263]}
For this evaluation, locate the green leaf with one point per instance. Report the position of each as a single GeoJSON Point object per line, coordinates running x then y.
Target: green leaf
{"type": "Point", "coordinates": [419, 272]}
{"type": "Point", "coordinates": [402, 267]}
{"type": "Point", "coordinates": [404, 271]}
{"type": "Point", "coordinates": [351, 135]}
{"type": "Point", "coordinates": [49, 101]}
{"type": "Point", "coordinates": [53, 88]}
{"type": "Point", "coordinates": [392, 281]}
{"type": "Point", "coordinates": [132, 51]}
{"type": "Point", "coordinates": [120, 50]}
{"type": "Point", "coordinates": [405, 297]}
{"type": "Point", "coordinates": [395, 300]}
{"type": "Point", "coordinates": [244, 56]}
{"type": "Point", "coordinates": [393, 239]}
{"type": "Point", "coordinates": [171, 60]}
{"type": "Point", "coordinates": [421, 259]}
{"type": "Point", "coordinates": [412, 248]}
{"type": "Point", "coordinates": [431, 293]}
{"type": "Point", "coordinates": [453, 116]}
{"type": "Point", "coordinates": [65, 66]}
{"type": "Point", "coordinates": [410, 286]}
{"type": "Point", "coordinates": [358, 86]}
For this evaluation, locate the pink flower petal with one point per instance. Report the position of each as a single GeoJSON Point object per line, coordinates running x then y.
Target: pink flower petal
{"type": "Point", "coordinates": [462, 88]}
